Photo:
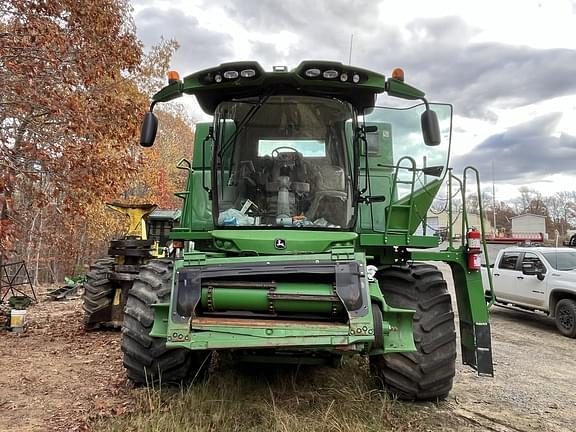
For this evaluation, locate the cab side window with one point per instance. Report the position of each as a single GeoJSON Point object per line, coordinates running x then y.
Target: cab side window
{"type": "Point", "coordinates": [530, 257]}
{"type": "Point", "coordinates": [509, 261]}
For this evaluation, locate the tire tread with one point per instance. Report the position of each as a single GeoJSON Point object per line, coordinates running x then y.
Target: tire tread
{"type": "Point", "coordinates": [428, 373]}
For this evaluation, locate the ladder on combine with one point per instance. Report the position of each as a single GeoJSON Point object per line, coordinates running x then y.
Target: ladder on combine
{"type": "Point", "coordinates": [465, 225]}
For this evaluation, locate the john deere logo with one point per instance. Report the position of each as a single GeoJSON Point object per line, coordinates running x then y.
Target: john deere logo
{"type": "Point", "coordinates": [280, 244]}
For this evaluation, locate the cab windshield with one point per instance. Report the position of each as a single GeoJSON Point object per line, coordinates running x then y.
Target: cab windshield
{"type": "Point", "coordinates": [282, 161]}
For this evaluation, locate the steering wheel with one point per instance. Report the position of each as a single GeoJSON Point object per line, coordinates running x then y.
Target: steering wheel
{"type": "Point", "coordinates": [284, 156]}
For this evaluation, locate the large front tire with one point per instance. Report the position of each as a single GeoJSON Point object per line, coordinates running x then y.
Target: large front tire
{"type": "Point", "coordinates": [426, 374]}
{"type": "Point", "coordinates": [146, 359]}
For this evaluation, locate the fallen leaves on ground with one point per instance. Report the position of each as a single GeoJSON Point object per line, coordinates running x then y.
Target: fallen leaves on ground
{"type": "Point", "coordinates": [56, 376]}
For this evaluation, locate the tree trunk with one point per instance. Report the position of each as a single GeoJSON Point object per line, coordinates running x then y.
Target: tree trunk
{"type": "Point", "coordinates": [39, 247]}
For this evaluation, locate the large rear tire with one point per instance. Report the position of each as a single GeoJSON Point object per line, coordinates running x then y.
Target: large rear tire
{"type": "Point", "coordinates": [426, 374]}
{"type": "Point", "coordinates": [98, 292]}
{"type": "Point", "coordinates": [146, 359]}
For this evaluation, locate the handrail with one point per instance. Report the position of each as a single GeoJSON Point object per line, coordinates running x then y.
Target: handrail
{"type": "Point", "coordinates": [450, 219]}
{"type": "Point", "coordinates": [482, 230]}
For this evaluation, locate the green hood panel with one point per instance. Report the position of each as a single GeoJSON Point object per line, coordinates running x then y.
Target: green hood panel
{"type": "Point", "coordinates": [270, 242]}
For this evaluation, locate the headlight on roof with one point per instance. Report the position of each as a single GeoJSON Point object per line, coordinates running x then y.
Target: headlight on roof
{"type": "Point", "coordinates": [312, 73]}
{"type": "Point", "coordinates": [248, 73]}
{"type": "Point", "coordinates": [232, 74]}
{"type": "Point", "coordinates": [330, 74]}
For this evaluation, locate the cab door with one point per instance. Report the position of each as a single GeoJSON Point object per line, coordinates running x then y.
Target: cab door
{"type": "Point", "coordinates": [506, 277]}
{"type": "Point", "coordinates": [531, 290]}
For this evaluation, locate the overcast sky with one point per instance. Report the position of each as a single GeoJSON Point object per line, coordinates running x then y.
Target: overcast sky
{"type": "Point", "coordinates": [508, 67]}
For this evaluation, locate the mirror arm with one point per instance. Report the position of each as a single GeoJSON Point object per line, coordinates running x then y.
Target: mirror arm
{"type": "Point", "coordinates": [426, 104]}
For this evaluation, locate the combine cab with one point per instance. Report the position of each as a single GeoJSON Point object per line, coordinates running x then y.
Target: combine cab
{"type": "Point", "coordinates": [297, 237]}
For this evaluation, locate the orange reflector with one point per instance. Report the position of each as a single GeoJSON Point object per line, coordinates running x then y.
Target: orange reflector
{"type": "Point", "coordinates": [398, 74]}
{"type": "Point", "coordinates": [173, 76]}
{"type": "Point", "coordinates": [177, 244]}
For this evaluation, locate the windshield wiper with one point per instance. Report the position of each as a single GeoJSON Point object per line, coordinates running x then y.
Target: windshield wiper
{"type": "Point", "coordinates": [249, 115]}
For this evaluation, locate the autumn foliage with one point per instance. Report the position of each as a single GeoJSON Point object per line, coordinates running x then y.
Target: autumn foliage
{"type": "Point", "coordinates": [75, 86]}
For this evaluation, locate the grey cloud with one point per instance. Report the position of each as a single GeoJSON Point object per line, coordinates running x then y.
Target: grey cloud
{"type": "Point", "coordinates": [140, 3]}
{"type": "Point", "coordinates": [525, 153]}
{"type": "Point", "coordinates": [271, 15]}
{"type": "Point", "coordinates": [261, 15]}
{"type": "Point", "coordinates": [199, 47]}
{"type": "Point", "coordinates": [441, 59]}
{"type": "Point", "coordinates": [450, 30]}
{"type": "Point", "coordinates": [323, 26]}
{"type": "Point", "coordinates": [267, 52]}
{"type": "Point", "coordinates": [437, 53]}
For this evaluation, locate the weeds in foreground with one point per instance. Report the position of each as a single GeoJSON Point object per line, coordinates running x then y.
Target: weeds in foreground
{"type": "Point", "coordinates": [271, 398]}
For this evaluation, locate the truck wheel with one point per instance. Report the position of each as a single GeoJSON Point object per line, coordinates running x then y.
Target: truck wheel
{"type": "Point", "coordinates": [427, 373]}
{"type": "Point", "coordinates": [97, 292]}
{"type": "Point", "coordinates": [146, 359]}
{"type": "Point", "coordinates": [565, 317]}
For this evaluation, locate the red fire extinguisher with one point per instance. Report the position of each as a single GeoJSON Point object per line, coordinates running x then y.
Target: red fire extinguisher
{"type": "Point", "coordinates": [474, 251]}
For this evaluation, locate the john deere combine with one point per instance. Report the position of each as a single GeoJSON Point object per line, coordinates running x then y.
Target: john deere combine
{"type": "Point", "coordinates": [299, 236]}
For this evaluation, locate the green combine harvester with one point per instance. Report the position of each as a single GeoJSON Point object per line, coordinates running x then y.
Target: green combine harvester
{"type": "Point", "coordinates": [303, 237]}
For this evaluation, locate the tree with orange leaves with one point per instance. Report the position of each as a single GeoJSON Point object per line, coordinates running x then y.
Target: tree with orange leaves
{"type": "Point", "coordinates": [69, 114]}
{"type": "Point", "coordinates": [75, 86]}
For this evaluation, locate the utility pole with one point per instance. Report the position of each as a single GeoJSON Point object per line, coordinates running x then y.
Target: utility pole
{"type": "Point", "coordinates": [494, 201]}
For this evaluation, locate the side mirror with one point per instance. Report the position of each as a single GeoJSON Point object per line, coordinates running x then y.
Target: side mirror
{"type": "Point", "coordinates": [148, 130]}
{"type": "Point", "coordinates": [430, 128]}
{"type": "Point", "coordinates": [528, 268]}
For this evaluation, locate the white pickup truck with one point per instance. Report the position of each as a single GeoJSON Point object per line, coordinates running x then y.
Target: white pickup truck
{"type": "Point", "coordinates": [537, 278]}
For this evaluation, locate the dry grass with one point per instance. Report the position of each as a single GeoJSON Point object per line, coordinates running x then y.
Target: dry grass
{"type": "Point", "coordinates": [274, 398]}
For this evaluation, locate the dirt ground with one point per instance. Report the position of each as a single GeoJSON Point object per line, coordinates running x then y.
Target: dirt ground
{"type": "Point", "coordinates": [55, 376]}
